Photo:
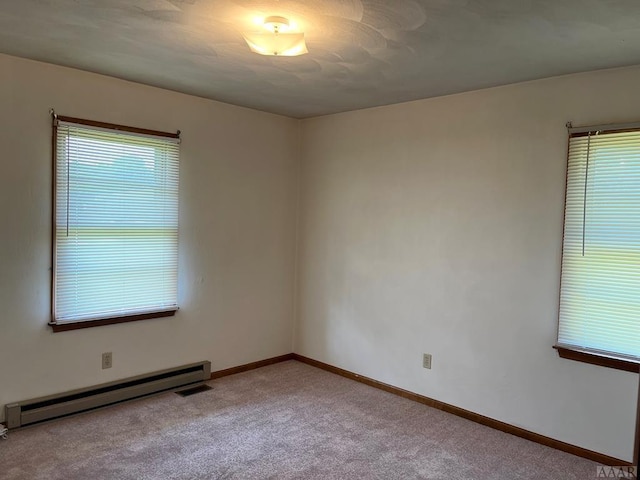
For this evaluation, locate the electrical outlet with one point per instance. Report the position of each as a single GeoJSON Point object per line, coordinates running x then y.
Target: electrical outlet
{"type": "Point", "coordinates": [426, 360]}
{"type": "Point", "coordinates": [107, 360]}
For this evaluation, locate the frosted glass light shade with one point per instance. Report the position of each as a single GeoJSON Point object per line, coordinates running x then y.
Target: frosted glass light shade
{"type": "Point", "coordinates": [280, 44]}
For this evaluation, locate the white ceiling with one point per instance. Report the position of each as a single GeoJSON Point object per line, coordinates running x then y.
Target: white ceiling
{"type": "Point", "coordinates": [363, 53]}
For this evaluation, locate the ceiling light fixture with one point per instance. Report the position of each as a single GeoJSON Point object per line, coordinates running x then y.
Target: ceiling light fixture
{"type": "Point", "coordinates": [278, 40]}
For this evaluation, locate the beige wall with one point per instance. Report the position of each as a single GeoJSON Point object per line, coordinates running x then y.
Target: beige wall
{"type": "Point", "coordinates": [436, 226]}
{"type": "Point", "coordinates": [237, 233]}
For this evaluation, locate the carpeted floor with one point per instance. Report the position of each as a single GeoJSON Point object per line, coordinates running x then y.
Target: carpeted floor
{"type": "Point", "coordinates": [284, 421]}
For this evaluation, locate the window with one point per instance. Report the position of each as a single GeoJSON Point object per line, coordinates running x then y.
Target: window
{"type": "Point", "coordinates": [600, 294]}
{"type": "Point", "coordinates": [115, 238]}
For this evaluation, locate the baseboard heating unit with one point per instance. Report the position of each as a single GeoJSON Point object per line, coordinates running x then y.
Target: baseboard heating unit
{"type": "Point", "coordinates": [37, 410]}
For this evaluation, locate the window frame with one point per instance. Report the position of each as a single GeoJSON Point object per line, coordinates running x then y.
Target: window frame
{"type": "Point", "coordinates": [603, 359]}
{"type": "Point", "coordinates": [592, 358]}
{"type": "Point", "coordinates": [80, 324]}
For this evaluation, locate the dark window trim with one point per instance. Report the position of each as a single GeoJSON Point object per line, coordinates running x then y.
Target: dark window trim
{"type": "Point", "coordinates": [65, 327]}
{"type": "Point", "coordinates": [598, 359]}
{"type": "Point", "coordinates": [586, 134]}
{"type": "Point", "coordinates": [121, 128]}
{"type": "Point", "coordinates": [585, 130]}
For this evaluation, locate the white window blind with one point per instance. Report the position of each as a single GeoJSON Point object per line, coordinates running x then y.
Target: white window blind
{"type": "Point", "coordinates": [116, 223]}
{"type": "Point", "coordinates": [600, 292]}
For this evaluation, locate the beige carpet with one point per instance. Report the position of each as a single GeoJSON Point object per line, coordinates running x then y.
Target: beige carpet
{"type": "Point", "coordinates": [285, 421]}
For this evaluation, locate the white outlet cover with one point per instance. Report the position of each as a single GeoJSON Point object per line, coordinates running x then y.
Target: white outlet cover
{"type": "Point", "coordinates": [426, 360]}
